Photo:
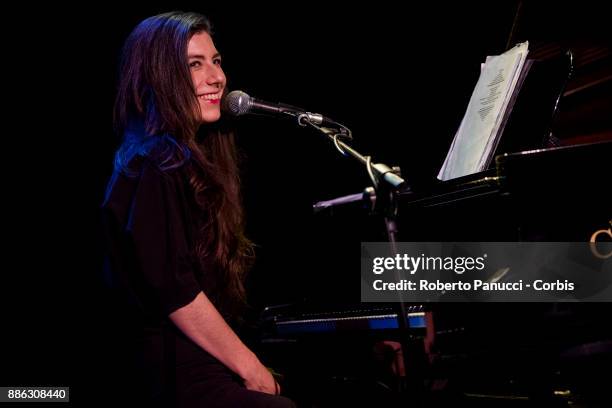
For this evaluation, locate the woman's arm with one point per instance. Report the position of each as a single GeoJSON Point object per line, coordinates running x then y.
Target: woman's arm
{"type": "Point", "coordinates": [204, 325]}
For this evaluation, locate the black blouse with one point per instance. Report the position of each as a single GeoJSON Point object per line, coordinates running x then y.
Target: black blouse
{"type": "Point", "coordinates": [150, 228]}
{"type": "Point", "coordinates": [150, 224]}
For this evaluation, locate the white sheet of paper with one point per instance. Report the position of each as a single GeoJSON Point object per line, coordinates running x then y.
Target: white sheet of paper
{"type": "Point", "coordinates": [479, 129]}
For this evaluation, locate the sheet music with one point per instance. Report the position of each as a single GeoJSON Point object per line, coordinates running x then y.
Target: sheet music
{"type": "Point", "coordinates": [480, 127]}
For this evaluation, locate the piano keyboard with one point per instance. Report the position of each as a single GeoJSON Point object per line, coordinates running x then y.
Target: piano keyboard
{"type": "Point", "coordinates": [351, 320]}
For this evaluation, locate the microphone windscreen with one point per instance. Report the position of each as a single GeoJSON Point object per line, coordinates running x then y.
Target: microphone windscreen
{"type": "Point", "coordinates": [236, 103]}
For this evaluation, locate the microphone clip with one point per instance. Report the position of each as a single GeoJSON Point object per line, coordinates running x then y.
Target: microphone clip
{"type": "Point", "coordinates": [306, 118]}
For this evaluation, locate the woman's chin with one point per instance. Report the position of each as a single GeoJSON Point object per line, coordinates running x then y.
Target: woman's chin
{"type": "Point", "coordinates": [210, 117]}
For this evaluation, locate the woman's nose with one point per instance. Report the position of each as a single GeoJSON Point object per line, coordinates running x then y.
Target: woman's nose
{"type": "Point", "coordinates": [215, 76]}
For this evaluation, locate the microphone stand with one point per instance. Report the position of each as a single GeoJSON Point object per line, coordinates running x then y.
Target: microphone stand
{"type": "Point", "coordinates": [387, 184]}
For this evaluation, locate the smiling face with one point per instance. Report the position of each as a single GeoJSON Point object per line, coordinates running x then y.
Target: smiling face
{"type": "Point", "coordinates": [206, 74]}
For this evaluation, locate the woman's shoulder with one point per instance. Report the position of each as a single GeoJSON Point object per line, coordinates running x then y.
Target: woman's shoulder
{"type": "Point", "coordinates": [161, 155]}
{"type": "Point", "coordinates": [162, 165]}
{"type": "Point", "coordinates": [167, 155]}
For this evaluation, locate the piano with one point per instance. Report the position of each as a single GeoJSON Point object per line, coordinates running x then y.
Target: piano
{"type": "Point", "coordinates": [554, 194]}
{"type": "Point", "coordinates": [515, 350]}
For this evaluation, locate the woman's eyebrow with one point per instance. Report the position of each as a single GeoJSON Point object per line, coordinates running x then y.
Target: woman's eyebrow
{"type": "Point", "coordinates": [200, 56]}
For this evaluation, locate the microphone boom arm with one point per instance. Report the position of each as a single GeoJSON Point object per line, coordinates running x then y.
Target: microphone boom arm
{"type": "Point", "coordinates": [377, 171]}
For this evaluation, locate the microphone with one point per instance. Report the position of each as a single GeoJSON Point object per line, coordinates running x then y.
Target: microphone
{"type": "Point", "coordinates": [238, 103]}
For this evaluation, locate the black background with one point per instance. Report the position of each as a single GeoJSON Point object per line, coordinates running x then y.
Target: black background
{"type": "Point", "coordinates": [399, 76]}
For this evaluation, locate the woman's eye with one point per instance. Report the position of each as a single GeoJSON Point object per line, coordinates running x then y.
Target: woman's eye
{"type": "Point", "coordinates": [194, 64]}
{"type": "Point", "coordinates": [217, 61]}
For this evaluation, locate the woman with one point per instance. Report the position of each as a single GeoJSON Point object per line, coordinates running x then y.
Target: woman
{"type": "Point", "coordinates": [175, 224]}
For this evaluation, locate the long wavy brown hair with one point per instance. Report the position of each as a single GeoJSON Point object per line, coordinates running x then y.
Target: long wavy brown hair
{"type": "Point", "coordinates": [156, 101]}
